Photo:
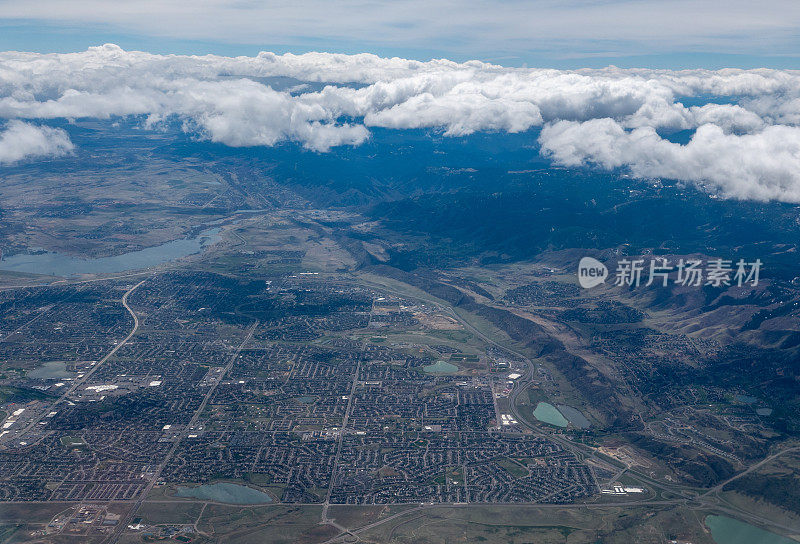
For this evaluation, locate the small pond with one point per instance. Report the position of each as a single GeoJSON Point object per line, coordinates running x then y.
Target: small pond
{"type": "Point", "coordinates": [547, 413]}
{"type": "Point", "coordinates": [52, 370]}
{"type": "Point", "coordinates": [574, 416]}
{"type": "Point", "coordinates": [440, 367]}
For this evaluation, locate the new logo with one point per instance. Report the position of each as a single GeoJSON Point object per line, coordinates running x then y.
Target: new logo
{"type": "Point", "coordinates": [591, 272]}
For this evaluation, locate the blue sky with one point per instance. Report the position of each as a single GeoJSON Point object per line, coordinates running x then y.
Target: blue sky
{"type": "Point", "coordinates": [560, 34]}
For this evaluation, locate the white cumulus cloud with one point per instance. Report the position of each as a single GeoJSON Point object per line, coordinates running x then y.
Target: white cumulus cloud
{"type": "Point", "coordinates": [761, 166]}
{"type": "Point", "coordinates": [744, 123]}
{"type": "Point", "coordinates": [22, 140]}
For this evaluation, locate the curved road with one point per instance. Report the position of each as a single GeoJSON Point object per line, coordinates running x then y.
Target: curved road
{"type": "Point", "coordinates": [79, 382]}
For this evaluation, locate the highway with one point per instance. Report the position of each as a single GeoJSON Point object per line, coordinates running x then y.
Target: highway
{"type": "Point", "coordinates": [123, 523]}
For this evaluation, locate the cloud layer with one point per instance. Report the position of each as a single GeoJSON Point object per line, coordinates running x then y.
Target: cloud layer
{"type": "Point", "coordinates": [745, 146]}
{"type": "Point", "coordinates": [23, 140]}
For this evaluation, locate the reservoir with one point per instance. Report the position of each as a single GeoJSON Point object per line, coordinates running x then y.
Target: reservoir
{"type": "Point", "coordinates": [225, 492]}
{"type": "Point", "coordinates": [57, 264]}
{"type": "Point", "coordinates": [440, 367]}
{"type": "Point", "coordinates": [725, 530]}
{"type": "Point", "coordinates": [547, 413]}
